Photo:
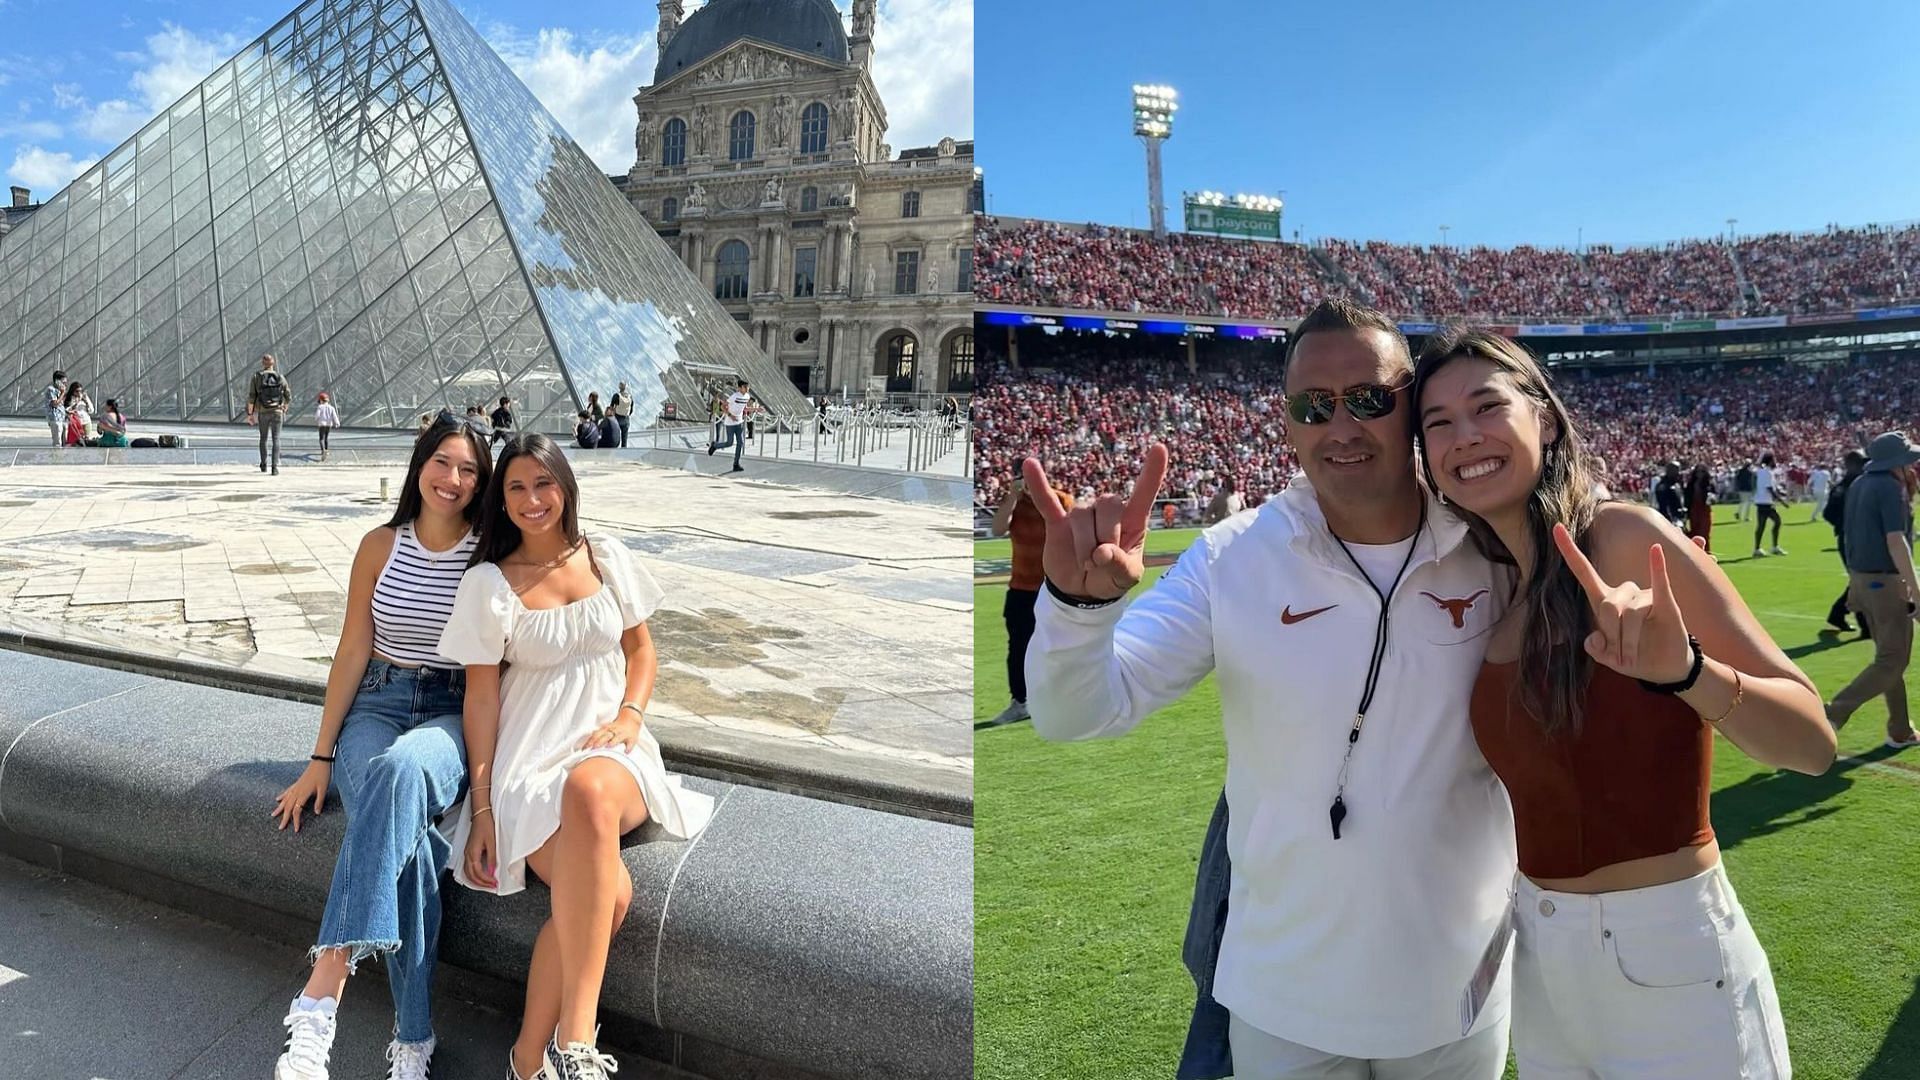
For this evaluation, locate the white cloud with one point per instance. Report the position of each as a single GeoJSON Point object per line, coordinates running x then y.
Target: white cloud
{"type": "Point", "coordinates": [923, 68]}
{"type": "Point", "coordinates": [44, 170]}
{"type": "Point", "coordinates": [173, 62]}
{"type": "Point", "coordinates": [587, 87]}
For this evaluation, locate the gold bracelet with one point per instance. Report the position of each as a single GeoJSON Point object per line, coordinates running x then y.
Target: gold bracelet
{"type": "Point", "coordinates": [1738, 692]}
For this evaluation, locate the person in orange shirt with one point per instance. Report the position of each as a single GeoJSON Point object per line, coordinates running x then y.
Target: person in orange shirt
{"type": "Point", "coordinates": [1019, 518]}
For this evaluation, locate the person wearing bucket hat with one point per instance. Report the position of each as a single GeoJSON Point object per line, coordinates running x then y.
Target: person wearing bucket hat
{"type": "Point", "coordinates": [1881, 587]}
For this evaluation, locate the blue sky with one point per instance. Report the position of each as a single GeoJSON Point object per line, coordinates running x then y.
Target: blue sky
{"type": "Point", "coordinates": [77, 79]}
{"type": "Point", "coordinates": [1511, 122]}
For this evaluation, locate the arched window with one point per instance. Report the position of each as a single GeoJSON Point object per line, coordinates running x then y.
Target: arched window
{"type": "Point", "coordinates": [813, 129]}
{"type": "Point", "coordinates": [730, 271]}
{"type": "Point", "coordinates": [809, 199]}
{"type": "Point", "coordinates": [740, 136]}
{"type": "Point", "coordinates": [673, 143]}
{"type": "Point", "coordinates": [669, 209]}
{"type": "Point", "coordinates": [960, 364]}
{"type": "Point", "coordinates": [900, 363]}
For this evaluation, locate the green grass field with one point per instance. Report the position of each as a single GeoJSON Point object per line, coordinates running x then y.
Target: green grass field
{"type": "Point", "coordinates": [1084, 856]}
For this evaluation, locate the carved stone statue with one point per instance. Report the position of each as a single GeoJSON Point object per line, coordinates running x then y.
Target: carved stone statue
{"type": "Point", "coordinates": [772, 192]}
{"type": "Point", "coordinates": [782, 121]}
{"type": "Point", "coordinates": [697, 198]}
{"type": "Point", "coordinates": [643, 138]}
{"type": "Point", "coordinates": [702, 129]}
{"type": "Point", "coordinates": [933, 277]}
{"type": "Point", "coordinates": [843, 112]}
{"type": "Point", "coordinates": [869, 281]}
{"type": "Point", "coordinates": [862, 19]}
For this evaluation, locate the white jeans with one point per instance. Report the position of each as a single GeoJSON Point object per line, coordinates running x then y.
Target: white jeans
{"type": "Point", "coordinates": [1260, 1056]}
{"type": "Point", "coordinates": [1663, 983]}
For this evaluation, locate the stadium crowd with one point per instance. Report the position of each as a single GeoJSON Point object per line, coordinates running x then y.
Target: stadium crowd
{"type": "Point", "coordinates": [1097, 403]}
{"type": "Point", "coordinates": [1097, 267]}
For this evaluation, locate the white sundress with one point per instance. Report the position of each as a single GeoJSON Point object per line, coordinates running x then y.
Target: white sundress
{"type": "Point", "coordinates": [567, 676]}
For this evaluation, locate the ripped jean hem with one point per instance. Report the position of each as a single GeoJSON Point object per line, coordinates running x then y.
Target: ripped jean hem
{"type": "Point", "coordinates": [357, 951]}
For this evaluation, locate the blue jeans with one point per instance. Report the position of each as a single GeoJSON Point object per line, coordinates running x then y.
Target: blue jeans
{"type": "Point", "coordinates": [733, 439]}
{"type": "Point", "coordinates": [1208, 1054]}
{"type": "Point", "coordinates": [400, 762]}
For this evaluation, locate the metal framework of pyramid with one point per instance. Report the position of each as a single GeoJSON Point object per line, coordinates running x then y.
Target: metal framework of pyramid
{"type": "Point", "coordinates": [370, 194]}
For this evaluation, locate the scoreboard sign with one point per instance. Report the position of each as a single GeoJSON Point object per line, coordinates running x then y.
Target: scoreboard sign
{"type": "Point", "coordinates": [1233, 221]}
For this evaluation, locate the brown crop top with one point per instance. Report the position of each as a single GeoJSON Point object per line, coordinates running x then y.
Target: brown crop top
{"type": "Point", "coordinates": [1634, 782]}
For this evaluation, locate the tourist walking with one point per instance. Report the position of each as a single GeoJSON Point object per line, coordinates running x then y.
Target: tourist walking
{"type": "Point", "coordinates": [737, 407]}
{"type": "Point", "coordinates": [325, 419]}
{"type": "Point", "coordinates": [268, 399]}
{"type": "Point", "coordinates": [1881, 587]}
{"type": "Point", "coordinates": [391, 740]}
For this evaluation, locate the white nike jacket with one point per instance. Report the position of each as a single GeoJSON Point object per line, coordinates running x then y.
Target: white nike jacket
{"type": "Point", "coordinates": [1363, 946]}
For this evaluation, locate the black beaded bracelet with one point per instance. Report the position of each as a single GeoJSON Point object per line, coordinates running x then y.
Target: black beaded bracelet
{"type": "Point", "coordinates": [1085, 603]}
{"type": "Point", "coordinates": [320, 757]}
{"type": "Point", "coordinates": [1686, 684]}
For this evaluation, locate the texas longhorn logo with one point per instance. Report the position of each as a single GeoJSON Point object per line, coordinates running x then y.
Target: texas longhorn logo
{"type": "Point", "coordinates": [1456, 608]}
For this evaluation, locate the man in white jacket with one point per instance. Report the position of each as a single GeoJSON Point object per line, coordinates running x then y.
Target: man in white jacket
{"type": "Point", "coordinates": [1371, 848]}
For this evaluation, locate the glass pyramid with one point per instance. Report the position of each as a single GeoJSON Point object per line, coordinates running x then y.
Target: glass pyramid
{"type": "Point", "coordinates": [370, 194]}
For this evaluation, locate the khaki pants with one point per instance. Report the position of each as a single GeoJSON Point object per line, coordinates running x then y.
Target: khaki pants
{"type": "Point", "coordinates": [1881, 600]}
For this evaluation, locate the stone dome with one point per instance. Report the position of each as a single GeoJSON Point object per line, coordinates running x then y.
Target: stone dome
{"type": "Point", "coordinates": [804, 26]}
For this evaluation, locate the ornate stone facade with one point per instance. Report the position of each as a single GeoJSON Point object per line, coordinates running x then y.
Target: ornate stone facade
{"type": "Point", "coordinates": [767, 169]}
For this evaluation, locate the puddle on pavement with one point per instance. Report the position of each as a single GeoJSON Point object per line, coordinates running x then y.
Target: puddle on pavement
{"type": "Point", "coordinates": [16, 502]}
{"type": "Point", "coordinates": [714, 638]}
{"type": "Point", "coordinates": [695, 693]}
{"type": "Point", "coordinates": [264, 569]}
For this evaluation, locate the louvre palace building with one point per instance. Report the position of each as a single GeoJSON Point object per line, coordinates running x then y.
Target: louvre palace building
{"type": "Point", "coordinates": [761, 158]}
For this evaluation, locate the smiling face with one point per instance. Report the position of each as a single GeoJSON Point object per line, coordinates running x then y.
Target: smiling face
{"type": "Point", "coordinates": [535, 500]}
{"type": "Point", "coordinates": [1484, 437]}
{"type": "Point", "coordinates": [1353, 462]}
{"type": "Point", "coordinates": [451, 477]}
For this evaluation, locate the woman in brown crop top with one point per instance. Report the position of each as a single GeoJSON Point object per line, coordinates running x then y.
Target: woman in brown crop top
{"type": "Point", "coordinates": [1616, 660]}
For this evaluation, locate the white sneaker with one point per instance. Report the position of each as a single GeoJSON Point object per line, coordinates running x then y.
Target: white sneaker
{"type": "Point", "coordinates": [1778, 550]}
{"type": "Point", "coordinates": [1012, 714]}
{"type": "Point", "coordinates": [309, 1039]}
{"type": "Point", "coordinates": [408, 1061]}
{"type": "Point", "coordinates": [1758, 554]}
{"type": "Point", "coordinates": [1902, 744]}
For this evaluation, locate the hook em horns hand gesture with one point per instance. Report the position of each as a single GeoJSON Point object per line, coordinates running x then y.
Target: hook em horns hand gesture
{"type": "Point", "coordinates": [1638, 632]}
{"type": "Point", "coordinates": [1096, 549]}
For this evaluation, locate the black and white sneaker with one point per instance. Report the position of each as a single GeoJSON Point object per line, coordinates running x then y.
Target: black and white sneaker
{"type": "Point", "coordinates": [578, 1061]}
{"type": "Point", "coordinates": [309, 1039]}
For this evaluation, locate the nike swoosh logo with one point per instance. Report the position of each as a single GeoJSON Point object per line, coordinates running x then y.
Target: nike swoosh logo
{"type": "Point", "coordinates": [1288, 618]}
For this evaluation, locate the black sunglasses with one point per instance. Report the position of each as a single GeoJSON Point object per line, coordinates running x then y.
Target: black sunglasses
{"type": "Point", "coordinates": [1368, 401]}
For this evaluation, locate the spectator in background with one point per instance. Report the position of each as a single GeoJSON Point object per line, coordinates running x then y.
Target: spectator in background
{"type": "Point", "coordinates": [502, 419]}
{"type": "Point", "coordinates": [586, 432]}
{"type": "Point", "coordinates": [1667, 494]}
{"type": "Point", "coordinates": [1601, 492]}
{"type": "Point", "coordinates": [1835, 513]}
{"type": "Point", "coordinates": [1766, 492]}
{"type": "Point", "coordinates": [1699, 494]}
{"type": "Point", "coordinates": [1817, 482]}
{"type": "Point", "coordinates": [112, 424]}
{"type": "Point", "coordinates": [268, 399]}
{"type": "Point", "coordinates": [1881, 585]}
{"type": "Point", "coordinates": [79, 409]}
{"type": "Point", "coordinates": [325, 419]}
{"type": "Point", "coordinates": [1225, 503]}
{"type": "Point", "coordinates": [1018, 518]}
{"type": "Point", "coordinates": [1743, 486]}
{"type": "Point", "coordinates": [593, 406]}
{"type": "Point", "coordinates": [621, 408]}
{"type": "Point", "coordinates": [610, 433]}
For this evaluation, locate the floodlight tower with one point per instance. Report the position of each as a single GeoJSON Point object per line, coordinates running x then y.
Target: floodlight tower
{"type": "Point", "coordinates": [1153, 109]}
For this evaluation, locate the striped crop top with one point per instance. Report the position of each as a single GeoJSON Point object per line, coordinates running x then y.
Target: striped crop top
{"type": "Point", "coordinates": [414, 596]}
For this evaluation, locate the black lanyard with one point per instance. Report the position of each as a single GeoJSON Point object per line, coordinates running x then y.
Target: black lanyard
{"type": "Point", "coordinates": [1338, 812]}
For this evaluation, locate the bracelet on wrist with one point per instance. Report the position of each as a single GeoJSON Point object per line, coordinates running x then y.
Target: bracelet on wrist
{"type": "Point", "coordinates": [637, 711]}
{"type": "Point", "coordinates": [483, 810]}
{"type": "Point", "coordinates": [1085, 603]}
{"type": "Point", "coordinates": [328, 758]}
{"type": "Point", "coordinates": [1686, 684]}
{"type": "Point", "coordinates": [1739, 691]}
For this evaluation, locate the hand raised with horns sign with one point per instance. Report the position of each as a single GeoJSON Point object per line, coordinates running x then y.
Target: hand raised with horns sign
{"type": "Point", "coordinates": [1637, 631]}
{"type": "Point", "coordinates": [1096, 550]}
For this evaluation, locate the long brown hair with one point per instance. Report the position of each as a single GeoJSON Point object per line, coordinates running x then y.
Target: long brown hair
{"type": "Point", "coordinates": [425, 445]}
{"type": "Point", "coordinates": [1554, 666]}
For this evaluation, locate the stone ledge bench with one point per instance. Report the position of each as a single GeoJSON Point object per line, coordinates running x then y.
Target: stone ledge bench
{"type": "Point", "coordinates": [794, 939]}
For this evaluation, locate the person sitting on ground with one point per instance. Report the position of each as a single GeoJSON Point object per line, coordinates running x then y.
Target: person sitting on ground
{"type": "Point", "coordinates": [609, 432]}
{"type": "Point", "coordinates": [586, 433]}
{"type": "Point", "coordinates": [113, 426]}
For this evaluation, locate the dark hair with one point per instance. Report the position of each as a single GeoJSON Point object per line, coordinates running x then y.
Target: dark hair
{"type": "Point", "coordinates": [1554, 664]}
{"type": "Point", "coordinates": [424, 445]}
{"type": "Point", "coordinates": [1767, 460]}
{"type": "Point", "coordinates": [742, 384]}
{"type": "Point", "coordinates": [58, 374]}
{"type": "Point", "coordinates": [112, 404]}
{"type": "Point", "coordinates": [503, 399]}
{"type": "Point", "coordinates": [499, 536]}
{"type": "Point", "coordinates": [1338, 314]}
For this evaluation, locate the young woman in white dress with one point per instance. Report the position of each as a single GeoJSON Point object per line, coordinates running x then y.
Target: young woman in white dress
{"type": "Point", "coordinates": [561, 764]}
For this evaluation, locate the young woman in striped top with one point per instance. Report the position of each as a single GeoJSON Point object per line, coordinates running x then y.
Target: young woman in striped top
{"type": "Point", "coordinates": [390, 735]}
